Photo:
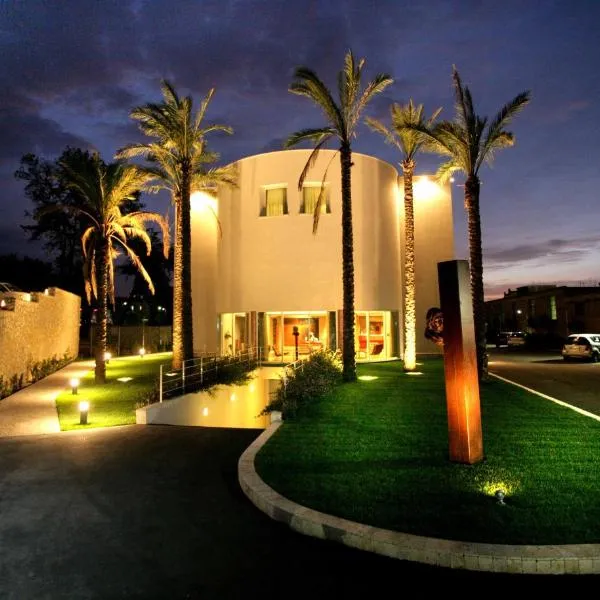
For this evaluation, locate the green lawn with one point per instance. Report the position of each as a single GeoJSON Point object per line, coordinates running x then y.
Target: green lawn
{"type": "Point", "coordinates": [114, 402]}
{"type": "Point", "coordinates": [376, 452]}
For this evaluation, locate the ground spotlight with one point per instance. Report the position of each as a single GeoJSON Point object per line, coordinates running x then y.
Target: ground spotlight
{"type": "Point", "coordinates": [84, 406]}
{"type": "Point", "coordinates": [500, 495]}
{"type": "Point", "coordinates": [74, 383]}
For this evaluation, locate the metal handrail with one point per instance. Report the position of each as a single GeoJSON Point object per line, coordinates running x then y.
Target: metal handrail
{"type": "Point", "coordinates": [201, 371]}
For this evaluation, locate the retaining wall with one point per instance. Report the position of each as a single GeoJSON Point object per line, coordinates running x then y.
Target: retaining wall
{"type": "Point", "coordinates": [37, 326]}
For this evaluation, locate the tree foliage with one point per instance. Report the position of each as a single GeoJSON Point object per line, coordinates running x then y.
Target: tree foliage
{"type": "Point", "coordinates": [342, 119]}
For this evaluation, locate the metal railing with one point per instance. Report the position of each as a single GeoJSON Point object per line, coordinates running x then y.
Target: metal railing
{"type": "Point", "coordinates": [204, 371]}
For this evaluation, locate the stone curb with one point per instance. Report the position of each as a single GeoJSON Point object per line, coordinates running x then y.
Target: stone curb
{"type": "Point", "coordinates": [583, 559]}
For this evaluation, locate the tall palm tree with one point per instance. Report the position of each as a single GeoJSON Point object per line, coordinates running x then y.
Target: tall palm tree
{"type": "Point", "coordinates": [342, 121]}
{"type": "Point", "coordinates": [104, 190]}
{"type": "Point", "coordinates": [409, 142]}
{"type": "Point", "coordinates": [178, 158]}
{"type": "Point", "coordinates": [467, 142]}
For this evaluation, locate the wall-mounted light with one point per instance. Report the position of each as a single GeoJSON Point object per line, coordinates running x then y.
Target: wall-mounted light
{"type": "Point", "coordinates": [84, 406]}
{"type": "Point", "coordinates": [74, 383]}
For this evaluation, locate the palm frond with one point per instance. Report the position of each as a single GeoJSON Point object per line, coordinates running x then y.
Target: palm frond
{"type": "Point", "coordinates": [374, 87]}
{"type": "Point", "coordinates": [446, 170]}
{"type": "Point", "coordinates": [320, 198]}
{"type": "Point", "coordinates": [309, 135]}
{"type": "Point", "coordinates": [312, 159]}
{"type": "Point", "coordinates": [137, 263]}
{"type": "Point", "coordinates": [312, 87]}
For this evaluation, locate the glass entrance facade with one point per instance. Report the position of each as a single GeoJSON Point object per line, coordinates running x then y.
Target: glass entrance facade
{"type": "Point", "coordinates": [284, 335]}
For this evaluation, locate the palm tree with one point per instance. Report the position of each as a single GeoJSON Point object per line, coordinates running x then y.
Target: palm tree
{"type": "Point", "coordinates": [104, 191]}
{"type": "Point", "coordinates": [409, 142]}
{"type": "Point", "coordinates": [467, 142]}
{"type": "Point", "coordinates": [342, 121]}
{"type": "Point", "coordinates": [177, 160]}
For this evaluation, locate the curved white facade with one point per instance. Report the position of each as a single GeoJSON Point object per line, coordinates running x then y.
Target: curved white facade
{"type": "Point", "coordinates": [266, 260]}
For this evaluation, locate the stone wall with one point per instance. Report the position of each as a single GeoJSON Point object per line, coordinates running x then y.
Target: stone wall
{"type": "Point", "coordinates": [37, 326]}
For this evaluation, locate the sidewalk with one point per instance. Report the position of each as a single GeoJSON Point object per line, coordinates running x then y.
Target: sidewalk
{"type": "Point", "coordinates": [32, 410]}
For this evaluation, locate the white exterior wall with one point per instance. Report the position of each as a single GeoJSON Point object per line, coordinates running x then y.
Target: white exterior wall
{"type": "Point", "coordinates": [277, 264]}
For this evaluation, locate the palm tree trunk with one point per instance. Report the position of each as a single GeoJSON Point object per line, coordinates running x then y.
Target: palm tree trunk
{"type": "Point", "coordinates": [177, 288]}
{"type": "Point", "coordinates": [348, 349]}
{"type": "Point", "coordinates": [476, 272]}
{"type": "Point", "coordinates": [183, 343]}
{"type": "Point", "coordinates": [102, 316]}
{"type": "Point", "coordinates": [410, 322]}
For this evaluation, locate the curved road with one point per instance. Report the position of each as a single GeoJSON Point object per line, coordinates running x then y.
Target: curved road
{"type": "Point", "coordinates": [577, 383]}
{"type": "Point", "coordinates": [157, 512]}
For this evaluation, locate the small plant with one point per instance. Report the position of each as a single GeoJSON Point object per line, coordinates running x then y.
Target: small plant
{"type": "Point", "coordinates": [314, 378]}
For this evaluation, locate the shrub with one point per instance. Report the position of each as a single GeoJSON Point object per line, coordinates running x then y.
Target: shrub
{"type": "Point", "coordinates": [311, 380]}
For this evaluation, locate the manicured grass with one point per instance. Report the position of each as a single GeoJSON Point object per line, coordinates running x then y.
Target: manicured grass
{"type": "Point", "coordinates": [114, 402]}
{"type": "Point", "coordinates": [376, 452]}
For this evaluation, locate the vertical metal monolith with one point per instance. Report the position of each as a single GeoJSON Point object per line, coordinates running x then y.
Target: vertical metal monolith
{"type": "Point", "coordinates": [460, 363]}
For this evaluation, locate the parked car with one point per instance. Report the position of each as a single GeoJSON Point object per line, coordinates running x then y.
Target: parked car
{"type": "Point", "coordinates": [582, 346]}
{"type": "Point", "coordinates": [510, 339]}
{"type": "Point", "coordinates": [7, 288]}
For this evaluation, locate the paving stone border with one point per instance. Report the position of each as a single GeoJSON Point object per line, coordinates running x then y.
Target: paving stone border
{"type": "Point", "coordinates": [581, 559]}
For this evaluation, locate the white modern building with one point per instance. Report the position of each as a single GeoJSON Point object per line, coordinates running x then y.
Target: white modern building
{"type": "Point", "coordinates": [258, 272]}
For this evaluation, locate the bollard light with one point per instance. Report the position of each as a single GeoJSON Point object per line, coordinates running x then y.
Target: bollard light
{"type": "Point", "coordinates": [107, 357]}
{"type": "Point", "coordinates": [74, 385]}
{"type": "Point", "coordinates": [142, 352]}
{"type": "Point", "coordinates": [84, 406]}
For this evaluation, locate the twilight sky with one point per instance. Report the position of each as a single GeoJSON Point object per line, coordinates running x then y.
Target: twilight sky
{"type": "Point", "coordinates": [71, 70]}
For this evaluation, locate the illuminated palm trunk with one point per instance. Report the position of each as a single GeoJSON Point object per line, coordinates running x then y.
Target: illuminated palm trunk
{"type": "Point", "coordinates": [183, 342]}
{"type": "Point", "coordinates": [348, 348]}
{"type": "Point", "coordinates": [102, 316]}
{"type": "Point", "coordinates": [410, 334]}
{"type": "Point", "coordinates": [476, 271]}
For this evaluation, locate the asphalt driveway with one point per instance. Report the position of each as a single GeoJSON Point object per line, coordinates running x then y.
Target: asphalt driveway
{"type": "Point", "coordinates": [157, 512]}
{"type": "Point", "coordinates": [576, 383]}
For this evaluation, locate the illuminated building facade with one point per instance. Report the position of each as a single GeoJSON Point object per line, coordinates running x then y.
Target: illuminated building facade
{"type": "Point", "coordinates": [265, 273]}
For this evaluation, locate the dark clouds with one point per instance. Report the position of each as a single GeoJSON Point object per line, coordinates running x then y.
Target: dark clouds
{"type": "Point", "coordinates": [554, 250]}
{"type": "Point", "coordinates": [71, 71]}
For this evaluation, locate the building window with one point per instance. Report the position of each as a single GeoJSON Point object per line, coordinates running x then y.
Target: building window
{"type": "Point", "coordinates": [552, 307]}
{"type": "Point", "coordinates": [275, 202]}
{"type": "Point", "coordinates": [310, 195]}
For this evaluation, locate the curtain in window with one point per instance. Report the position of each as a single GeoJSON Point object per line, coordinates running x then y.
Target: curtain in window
{"type": "Point", "coordinates": [310, 196]}
{"type": "Point", "coordinates": [276, 202]}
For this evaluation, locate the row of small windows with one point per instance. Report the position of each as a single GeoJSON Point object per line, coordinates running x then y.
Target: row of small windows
{"type": "Point", "coordinates": [274, 202]}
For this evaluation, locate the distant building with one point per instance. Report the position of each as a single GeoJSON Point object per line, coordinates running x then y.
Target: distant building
{"type": "Point", "coordinates": [550, 309]}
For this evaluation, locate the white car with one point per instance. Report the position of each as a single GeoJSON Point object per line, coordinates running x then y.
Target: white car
{"type": "Point", "coordinates": [582, 346]}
